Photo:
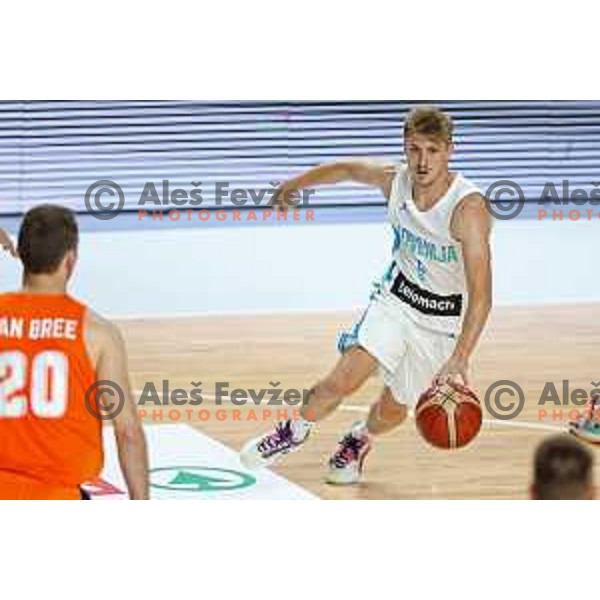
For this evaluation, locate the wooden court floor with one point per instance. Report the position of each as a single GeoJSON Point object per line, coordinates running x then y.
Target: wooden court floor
{"type": "Point", "coordinates": [529, 345]}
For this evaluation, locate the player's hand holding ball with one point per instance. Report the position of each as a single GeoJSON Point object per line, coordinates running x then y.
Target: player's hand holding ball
{"type": "Point", "coordinates": [449, 414]}
{"type": "Point", "coordinates": [456, 369]}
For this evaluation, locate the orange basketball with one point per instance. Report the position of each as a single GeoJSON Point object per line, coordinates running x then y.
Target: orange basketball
{"type": "Point", "coordinates": [448, 416]}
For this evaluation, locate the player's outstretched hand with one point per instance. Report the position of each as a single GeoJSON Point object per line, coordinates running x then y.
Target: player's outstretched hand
{"type": "Point", "coordinates": [6, 243]}
{"type": "Point", "coordinates": [284, 198]}
{"type": "Point", "coordinates": [455, 369]}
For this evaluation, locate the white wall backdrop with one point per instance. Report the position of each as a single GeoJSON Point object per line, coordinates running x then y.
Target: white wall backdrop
{"type": "Point", "coordinates": [199, 270]}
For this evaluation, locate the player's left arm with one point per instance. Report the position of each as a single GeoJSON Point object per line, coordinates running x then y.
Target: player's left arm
{"type": "Point", "coordinates": [471, 227]}
{"type": "Point", "coordinates": [107, 349]}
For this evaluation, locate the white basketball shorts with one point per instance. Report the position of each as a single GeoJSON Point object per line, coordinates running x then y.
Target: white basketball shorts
{"type": "Point", "coordinates": [408, 354]}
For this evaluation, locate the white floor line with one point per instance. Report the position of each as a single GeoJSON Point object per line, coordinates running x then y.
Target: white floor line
{"type": "Point", "coordinates": [525, 425]}
{"type": "Point", "coordinates": [353, 408]}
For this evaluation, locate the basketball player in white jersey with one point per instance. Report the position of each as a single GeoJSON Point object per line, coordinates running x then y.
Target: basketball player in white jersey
{"type": "Point", "coordinates": [426, 314]}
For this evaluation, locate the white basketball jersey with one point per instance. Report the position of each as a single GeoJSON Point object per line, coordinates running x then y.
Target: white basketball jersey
{"type": "Point", "coordinates": [427, 270]}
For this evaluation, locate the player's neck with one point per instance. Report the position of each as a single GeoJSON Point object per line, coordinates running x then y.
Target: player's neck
{"type": "Point", "coordinates": [427, 196]}
{"type": "Point", "coordinates": [43, 284]}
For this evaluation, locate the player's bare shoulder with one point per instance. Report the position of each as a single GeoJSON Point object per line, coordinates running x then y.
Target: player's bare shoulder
{"type": "Point", "coordinates": [102, 335]}
{"type": "Point", "coordinates": [390, 171]}
{"type": "Point", "coordinates": [471, 218]}
{"type": "Point", "coordinates": [386, 174]}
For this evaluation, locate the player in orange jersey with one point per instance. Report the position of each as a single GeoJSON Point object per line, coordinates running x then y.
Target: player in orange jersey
{"type": "Point", "coordinates": [53, 349]}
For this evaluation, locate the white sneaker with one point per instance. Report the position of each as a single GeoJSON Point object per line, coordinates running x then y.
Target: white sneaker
{"type": "Point", "coordinates": [287, 437]}
{"type": "Point", "coordinates": [346, 465]}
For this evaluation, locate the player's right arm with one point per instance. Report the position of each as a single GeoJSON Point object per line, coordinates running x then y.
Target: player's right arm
{"type": "Point", "coordinates": [368, 173]}
{"type": "Point", "coordinates": [111, 364]}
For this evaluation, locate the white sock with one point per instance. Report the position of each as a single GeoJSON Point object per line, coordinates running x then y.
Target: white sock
{"type": "Point", "coordinates": [359, 429]}
{"type": "Point", "coordinates": [301, 427]}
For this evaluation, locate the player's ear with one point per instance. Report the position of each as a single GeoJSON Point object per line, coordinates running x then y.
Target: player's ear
{"type": "Point", "coordinates": [591, 492]}
{"type": "Point", "coordinates": [69, 261]}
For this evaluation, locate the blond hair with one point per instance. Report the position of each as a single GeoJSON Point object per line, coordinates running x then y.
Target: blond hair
{"type": "Point", "coordinates": [431, 121]}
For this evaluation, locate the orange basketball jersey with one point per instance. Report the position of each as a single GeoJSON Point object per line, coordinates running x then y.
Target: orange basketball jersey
{"type": "Point", "coordinates": [49, 442]}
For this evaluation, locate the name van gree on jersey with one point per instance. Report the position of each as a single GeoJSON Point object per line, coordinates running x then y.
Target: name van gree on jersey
{"type": "Point", "coordinates": [38, 329]}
